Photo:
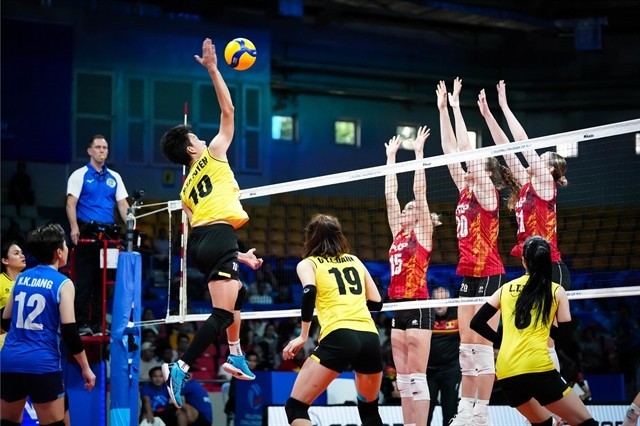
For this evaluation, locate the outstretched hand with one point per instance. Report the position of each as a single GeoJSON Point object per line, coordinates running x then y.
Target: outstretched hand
{"type": "Point", "coordinates": [209, 58]}
{"type": "Point", "coordinates": [482, 104]}
{"type": "Point", "coordinates": [441, 93]}
{"type": "Point", "coordinates": [454, 98]}
{"type": "Point", "coordinates": [393, 145]}
{"type": "Point", "coordinates": [502, 94]}
{"type": "Point", "coordinates": [423, 134]}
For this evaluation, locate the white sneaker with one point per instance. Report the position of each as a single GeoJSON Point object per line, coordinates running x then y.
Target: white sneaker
{"type": "Point", "coordinates": [480, 421]}
{"type": "Point", "coordinates": [461, 419]}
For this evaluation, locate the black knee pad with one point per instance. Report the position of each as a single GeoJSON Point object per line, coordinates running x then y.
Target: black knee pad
{"type": "Point", "coordinates": [548, 422]}
{"type": "Point", "coordinates": [589, 422]}
{"type": "Point", "coordinates": [369, 415]}
{"type": "Point", "coordinates": [242, 294]}
{"type": "Point", "coordinates": [219, 320]}
{"type": "Point", "coordinates": [296, 410]}
{"type": "Point", "coordinates": [4, 422]}
{"type": "Point", "coordinates": [58, 423]}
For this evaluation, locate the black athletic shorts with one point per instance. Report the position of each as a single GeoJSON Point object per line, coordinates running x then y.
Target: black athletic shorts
{"type": "Point", "coordinates": [480, 286]}
{"type": "Point", "coordinates": [344, 347]}
{"type": "Point", "coordinates": [213, 249]}
{"type": "Point", "coordinates": [547, 387]}
{"type": "Point", "coordinates": [560, 275]}
{"type": "Point", "coordinates": [40, 388]}
{"type": "Point", "coordinates": [421, 319]}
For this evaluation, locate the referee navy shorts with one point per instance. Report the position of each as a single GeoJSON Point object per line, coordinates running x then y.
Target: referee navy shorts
{"type": "Point", "coordinates": [546, 387]}
{"type": "Point", "coordinates": [213, 249]}
{"type": "Point", "coordinates": [344, 347]}
{"type": "Point", "coordinates": [480, 286]}
{"type": "Point", "coordinates": [40, 388]}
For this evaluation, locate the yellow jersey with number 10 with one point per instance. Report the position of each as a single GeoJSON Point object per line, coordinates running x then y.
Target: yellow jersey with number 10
{"type": "Point", "coordinates": [212, 193]}
{"type": "Point", "coordinates": [341, 299]}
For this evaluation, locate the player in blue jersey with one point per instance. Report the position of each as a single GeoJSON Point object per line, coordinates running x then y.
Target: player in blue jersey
{"type": "Point", "coordinates": [38, 313]}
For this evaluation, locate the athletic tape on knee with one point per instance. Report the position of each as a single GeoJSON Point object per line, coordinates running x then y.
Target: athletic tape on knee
{"type": "Point", "coordinates": [483, 355]}
{"type": "Point", "coordinates": [368, 411]}
{"type": "Point", "coordinates": [403, 381]}
{"type": "Point", "coordinates": [419, 387]}
{"type": "Point", "coordinates": [466, 360]}
{"type": "Point", "coordinates": [296, 410]}
{"type": "Point", "coordinates": [554, 358]}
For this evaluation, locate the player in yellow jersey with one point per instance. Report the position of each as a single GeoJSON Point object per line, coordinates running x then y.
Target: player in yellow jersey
{"type": "Point", "coordinates": [529, 306]}
{"type": "Point", "coordinates": [13, 262]}
{"type": "Point", "coordinates": [211, 200]}
{"type": "Point", "coordinates": [340, 287]}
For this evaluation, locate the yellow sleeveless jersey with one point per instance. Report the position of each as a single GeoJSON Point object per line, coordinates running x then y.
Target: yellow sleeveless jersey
{"type": "Point", "coordinates": [212, 193]}
{"type": "Point", "coordinates": [522, 351]}
{"type": "Point", "coordinates": [341, 300]}
{"type": "Point", "coordinates": [6, 284]}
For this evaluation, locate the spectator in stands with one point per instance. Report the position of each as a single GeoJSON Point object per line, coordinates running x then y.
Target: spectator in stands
{"type": "Point", "coordinates": [443, 371]}
{"type": "Point", "coordinates": [148, 360]}
{"type": "Point", "coordinates": [14, 233]}
{"type": "Point", "coordinates": [19, 190]}
{"type": "Point", "coordinates": [148, 315]}
{"type": "Point", "coordinates": [155, 400]}
{"type": "Point", "coordinates": [270, 337]}
{"type": "Point", "coordinates": [265, 281]}
{"type": "Point", "coordinates": [183, 344]}
{"type": "Point", "coordinates": [197, 409]}
{"type": "Point", "coordinates": [160, 247]}
{"type": "Point", "coordinates": [262, 294]}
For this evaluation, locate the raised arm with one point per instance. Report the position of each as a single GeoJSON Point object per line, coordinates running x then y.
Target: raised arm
{"type": "Point", "coordinates": [541, 177]}
{"type": "Point", "coordinates": [391, 187]}
{"type": "Point", "coordinates": [461, 128]}
{"type": "Point", "coordinates": [220, 143]}
{"type": "Point", "coordinates": [501, 138]}
{"type": "Point", "coordinates": [448, 137]}
{"type": "Point", "coordinates": [424, 227]}
{"type": "Point", "coordinates": [482, 184]}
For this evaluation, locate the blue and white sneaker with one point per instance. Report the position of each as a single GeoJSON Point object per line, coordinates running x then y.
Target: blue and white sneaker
{"type": "Point", "coordinates": [237, 366]}
{"type": "Point", "coordinates": [174, 378]}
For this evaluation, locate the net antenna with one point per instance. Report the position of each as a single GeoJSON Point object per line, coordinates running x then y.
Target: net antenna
{"type": "Point", "coordinates": [182, 307]}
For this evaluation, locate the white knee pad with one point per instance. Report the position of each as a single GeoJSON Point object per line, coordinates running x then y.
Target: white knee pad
{"type": "Point", "coordinates": [554, 358]}
{"type": "Point", "coordinates": [419, 387]}
{"type": "Point", "coordinates": [483, 355]}
{"type": "Point", "coordinates": [466, 360]}
{"type": "Point", "coordinates": [403, 381]}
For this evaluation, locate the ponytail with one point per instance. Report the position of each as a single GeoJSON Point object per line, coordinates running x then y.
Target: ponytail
{"type": "Point", "coordinates": [536, 295]}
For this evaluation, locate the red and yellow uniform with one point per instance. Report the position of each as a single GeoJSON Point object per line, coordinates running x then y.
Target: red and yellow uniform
{"type": "Point", "coordinates": [409, 262]}
{"type": "Point", "coordinates": [477, 231]}
{"type": "Point", "coordinates": [536, 216]}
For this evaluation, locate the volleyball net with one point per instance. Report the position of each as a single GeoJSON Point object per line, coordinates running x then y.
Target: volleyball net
{"type": "Point", "coordinates": [597, 222]}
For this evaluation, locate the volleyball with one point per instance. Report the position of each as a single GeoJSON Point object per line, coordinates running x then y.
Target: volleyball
{"type": "Point", "coordinates": [240, 54]}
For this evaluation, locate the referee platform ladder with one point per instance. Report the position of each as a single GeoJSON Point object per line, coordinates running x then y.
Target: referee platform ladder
{"type": "Point", "coordinates": [109, 251]}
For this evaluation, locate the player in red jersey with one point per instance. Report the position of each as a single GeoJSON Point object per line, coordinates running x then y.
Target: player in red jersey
{"type": "Point", "coordinates": [480, 264]}
{"type": "Point", "coordinates": [536, 204]}
{"type": "Point", "coordinates": [412, 230]}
